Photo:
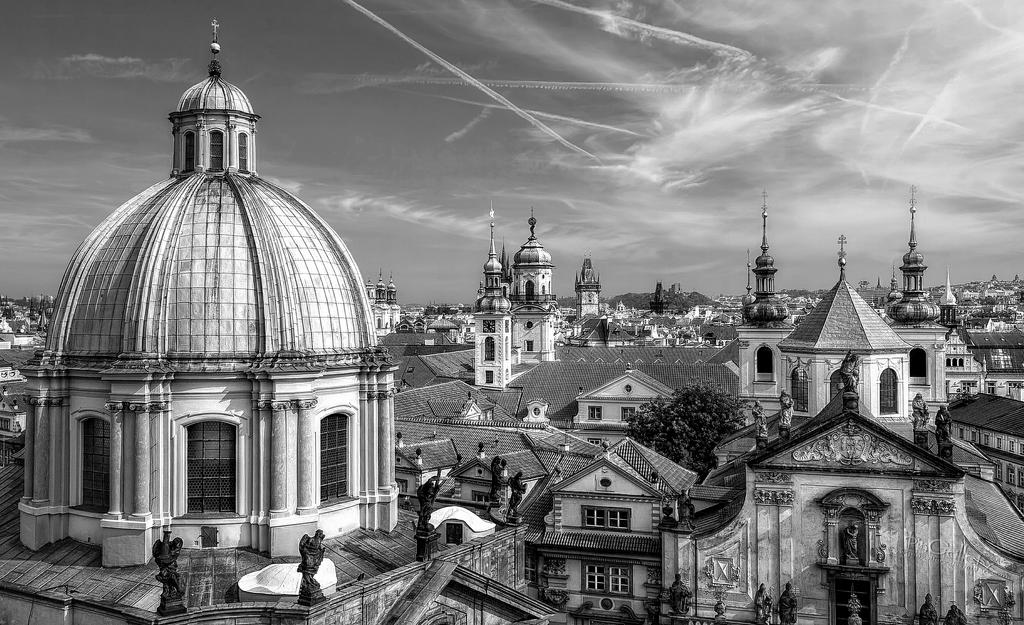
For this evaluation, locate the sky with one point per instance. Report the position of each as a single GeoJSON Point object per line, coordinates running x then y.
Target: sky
{"type": "Point", "coordinates": [640, 132]}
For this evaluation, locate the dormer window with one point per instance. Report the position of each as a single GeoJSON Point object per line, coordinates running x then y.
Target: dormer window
{"type": "Point", "coordinates": [243, 152]}
{"type": "Point", "coordinates": [190, 151]}
{"type": "Point", "coordinates": [216, 150]}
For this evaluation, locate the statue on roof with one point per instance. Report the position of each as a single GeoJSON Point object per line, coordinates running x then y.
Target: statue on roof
{"type": "Point", "coordinates": [763, 604]}
{"type": "Point", "coordinates": [497, 465]}
{"type": "Point", "coordinates": [687, 511]}
{"type": "Point", "coordinates": [165, 553]}
{"type": "Point", "coordinates": [786, 413]}
{"type": "Point", "coordinates": [426, 494]}
{"type": "Point", "coordinates": [955, 616]}
{"type": "Point", "coordinates": [760, 420]}
{"type": "Point", "coordinates": [311, 550]}
{"type": "Point", "coordinates": [943, 425]}
{"type": "Point", "coordinates": [517, 488]}
{"type": "Point", "coordinates": [928, 614]}
{"type": "Point", "coordinates": [920, 412]}
{"type": "Point", "coordinates": [787, 606]}
{"type": "Point", "coordinates": [849, 371]}
{"type": "Point", "coordinates": [679, 596]}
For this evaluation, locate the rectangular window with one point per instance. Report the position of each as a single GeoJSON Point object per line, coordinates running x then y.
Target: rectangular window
{"type": "Point", "coordinates": [974, 436]}
{"type": "Point", "coordinates": [628, 412]}
{"type": "Point", "coordinates": [403, 485]}
{"type": "Point", "coordinates": [618, 580]}
{"type": "Point", "coordinates": [594, 413]}
{"type": "Point", "coordinates": [612, 579]}
{"type": "Point", "coordinates": [1010, 446]}
{"type": "Point", "coordinates": [606, 518]}
{"type": "Point", "coordinates": [96, 464]}
{"type": "Point", "coordinates": [999, 472]}
{"type": "Point", "coordinates": [333, 458]}
{"type": "Point", "coordinates": [529, 346]}
{"type": "Point", "coordinates": [243, 152]}
{"type": "Point", "coordinates": [489, 377]}
{"type": "Point", "coordinates": [999, 443]}
{"type": "Point", "coordinates": [480, 497]}
{"type": "Point", "coordinates": [986, 440]}
{"type": "Point", "coordinates": [596, 578]}
{"type": "Point", "coordinates": [216, 150]}
{"type": "Point", "coordinates": [990, 388]}
{"type": "Point", "coordinates": [595, 441]}
{"type": "Point", "coordinates": [962, 434]}
{"type": "Point", "coordinates": [1009, 475]}
{"type": "Point", "coordinates": [453, 533]}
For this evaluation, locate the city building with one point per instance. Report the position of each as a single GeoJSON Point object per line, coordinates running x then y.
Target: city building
{"type": "Point", "coordinates": [387, 313]}
{"type": "Point", "coordinates": [588, 291]}
{"type": "Point", "coordinates": [534, 309]}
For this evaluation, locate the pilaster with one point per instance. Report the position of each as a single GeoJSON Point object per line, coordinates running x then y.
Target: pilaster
{"type": "Point", "coordinates": [116, 409]}
{"type": "Point", "coordinates": [307, 479]}
{"type": "Point", "coordinates": [279, 460]}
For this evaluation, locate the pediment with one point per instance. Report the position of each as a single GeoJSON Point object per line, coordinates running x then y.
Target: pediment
{"type": "Point", "coordinates": [853, 443]}
{"type": "Point", "coordinates": [606, 478]}
{"type": "Point", "coordinates": [640, 386]}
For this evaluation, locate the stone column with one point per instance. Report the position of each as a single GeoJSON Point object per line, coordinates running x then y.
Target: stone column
{"type": "Point", "coordinates": [307, 498]}
{"type": "Point", "coordinates": [41, 451]}
{"type": "Point", "coordinates": [30, 441]}
{"type": "Point", "coordinates": [116, 456]}
{"type": "Point", "coordinates": [142, 460]}
{"type": "Point", "coordinates": [385, 440]}
{"type": "Point", "coordinates": [279, 458]}
{"type": "Point", "coordinates": [369, 422]}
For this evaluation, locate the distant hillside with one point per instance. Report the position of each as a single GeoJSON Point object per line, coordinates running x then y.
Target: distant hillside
{"type": "Point", "coordinates": [673, 301]}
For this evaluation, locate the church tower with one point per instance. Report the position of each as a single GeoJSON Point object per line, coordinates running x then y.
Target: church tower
{"type": "Point", "coordinates": [947, 306]}
{"type": "Point", "coordinates": [534, 308]}
{"type": "Point", "coordinates": [914, 319]}
{"type": "Point", "coordinates": [588, 290]}
{"type": "Point", "coordinates": [764, 325]}
{"type": "Point", "coordinates": [492, 360]}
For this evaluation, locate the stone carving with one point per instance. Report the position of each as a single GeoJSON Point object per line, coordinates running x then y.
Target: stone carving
{"type": "Point", "coordinates": [943, 425]}
{"type": "Point", "coordinates": [721, 571]}
{"type": "Point", "coordinates": [554, 566]}
{"type": "Point", "coordinates": [679, 596]}
{"type": "Point", "coordinates": [786, 412]}
{"type": "Point", "coordinates": [920, 505]}
{"type": "Point", "coordinates": [822, 549]}
{"type": "Point", "coordinates": [517, 488]}
{"type": "Point", "coordinates": [760, 420]}
{"type": "Point", "coordinates": [311, 550]}
{"type": "Point", "coordinates": [556, 597]}
{"type": "Point", "coordinates": [667, 520]}
{"type": "Point", "coordinates": [919, 412]}
{"type": "Point", "coordinates": [426, 494]}
{"type": "Point", "coordinates": [853, 609]}
{"type": "Point", "coordinates": [686, 512]}
{"type": "Point", "coordinates": [494, 496]}
{"type": "Point", "coordinates": [773, 497]}
{"type": "Point", "coordinates": [849, 538]}
{"type": "Point", "coordinates": [851, 446]}
{"type": "Point", "coordinates": [880, 553]}
{"type": "Point", "coordinates": [165, 554]}
{"type": "Point", "coordinates": [720, 609]}
{"type": "Point", "coordinates": [653, 608]}
{"type": "Point", "coordinates": [787, 606]}
{"type": "Point", "coordinates": [955, 616]}
{"type": "Point", "coordinates": [849, 372]}
{"type": "Point", "coordinates": [928, 615]}
{"type": "Point", "coordinates": [654, 575]}
{"type": "Point", "coordinates": [306, 404]}
{"type": "Point", "coordinates": [774, 477]}
{"type": "Point", "coordinates": [933, 485]}
{"type": "Point", "coordinates": [763, 604]}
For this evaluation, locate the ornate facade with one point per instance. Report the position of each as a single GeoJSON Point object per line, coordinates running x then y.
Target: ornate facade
{"type": "Point", "coordinates": [387, 313]}
{"type": "Point", "coordinates": [534, 309]}
{"type": "Point", "coordinates": [588, 291]}
{"type": "Point", "coordinates": [492, 358]}
{"type": "Point", "coordinates": [211, 366]}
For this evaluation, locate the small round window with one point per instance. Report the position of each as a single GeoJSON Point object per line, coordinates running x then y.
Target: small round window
{"type": "Point", "coordinates": [529, 324]}
{"type": "Point", "coordinates": [606, 482]}
{"type": "Point", "coordinates": [607, 604]}
{"type": "Point", "coordinates": [536, 411]}
{"type": "Point", "coordinates": [629, 388]}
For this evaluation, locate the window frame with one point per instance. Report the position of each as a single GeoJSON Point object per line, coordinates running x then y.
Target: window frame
{"type": "Point", "coordinates": [600, 517]}
{"type": "Point", "coordinates": [595, 413]}
{"type": "Point", "coordinates": [764, 364]}
{"type": "Point", "coordinates": [799, 388]}
{"type": "Point", "coordinates": [217, 153]}
{"type": "Point", "coordinates": [95, 465]}
{"type": "Point", "coordinates": [227, 438]}
{"type": "Point", "coordinates": [627, 412]}
{"type": "Point", "coordinates": [334, 488]}
{"type": "Point", "coordinates": [607, 578]}
{"type": "Point", "coordinates": [888, 394]}
{"type": "Point", "coordinates": [188, 147]}
{"type": "Point", "coordinates": [490, 349]}
{"type": "Point", "coordinates": [243, 152]}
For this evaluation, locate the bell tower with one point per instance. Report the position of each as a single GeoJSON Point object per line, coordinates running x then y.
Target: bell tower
{"type": "Point", "coordinates": [588, 290]}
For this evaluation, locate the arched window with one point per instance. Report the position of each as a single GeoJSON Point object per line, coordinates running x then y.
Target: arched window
{"type": "Point", "coordinates": [764, 363]}
{"type": "Point", "coordinates": [211, 467]}
{"type": "Point", "coordinates": [96, 464]}
{"type": "Point", "coordinates": [888, 397]}
{"type": "Point", "coordinates": [489, 349]}
{"type": "Point", "coordinates": [333, 457]}
{"type": "Point", "coordinates": [798, 380]}
{"type": "Point", "coordinates": [918, 363]}
{"type": "Point", "coordinates": [529, 288]}
{"type": "Point", "coordinates": [216, 150]}
{"type": "Point", "coordinates": [190, 151]}
{"type": "Point", "coordinates": [380, 323]}
{"type": "Point", "coordinates": [243, 152]}
{"type": "Point", "coordinates": [835, 384]}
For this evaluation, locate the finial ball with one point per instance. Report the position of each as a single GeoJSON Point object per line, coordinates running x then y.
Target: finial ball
{"type": "Point", "coordinates": [842, 261]}
{"type": "Point", "coordinates": [214, 47]}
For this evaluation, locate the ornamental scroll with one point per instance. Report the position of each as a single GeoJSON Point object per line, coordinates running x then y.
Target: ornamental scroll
{"type": "Point", "coordinates": [851, 446]}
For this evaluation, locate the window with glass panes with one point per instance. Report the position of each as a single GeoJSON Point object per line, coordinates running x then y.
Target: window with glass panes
{"type": "Point", "coordinates": [798, 383]}
{"type": "Point", "coordinates": [216, 150]}
{"type": "Point", "coordinates": [190, 151]}
{"type": "Point", "coordinates": [606, 518]}
{"type": "Point", "coordinates": [604, 578]}
{"type": "Point", "coordinates": [333, 457]}
{"type": "Point", "coordinates": [887, 393]}
{"type": "Point", "coordinates": [211, 467]}
{"type": "Point", "coordinates": [594, 413]}
{"type": "Point", "coordinates": [96, 464]}
{"type": "Point", "coordinates": [628, 412]}
{"type": "Point", "coordinates": [243, 152]}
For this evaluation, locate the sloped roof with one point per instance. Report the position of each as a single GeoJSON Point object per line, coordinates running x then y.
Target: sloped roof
{"type": "Point", "coordinates": [672, 478]}
{"type": "Point", "coordinates": [637, 355]}
{"type": "Point", "coordinates": [458, 365]}
{"type": "Point", "coordinates": [434, 453]}
{"type": "Point", "coordinates": [988, 509]}
{"type": "Point", "coordinates": [842, 321]}
{"type": "Point", "coordinates": [977, 338]}
{"type": "Point", "coordinates": [445, 400]}
{"type": "Point", "coordinates": [614, 543]}
{"type": "Point", "coordinates": [992, 412]}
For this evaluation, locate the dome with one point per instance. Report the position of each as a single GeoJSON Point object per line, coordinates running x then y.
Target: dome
{"type": "Point", "coordinates": [765, 311]}
{"type": "Point", "coordinates": [211, 267]}
{"type": "Point", "coordinates": [532, 252]}
{"type": "Point", "coordinates": [214, 93]}
{"type": "Point", "coordinates": [493, 304]}
{"type": "Point", "coordinates": [493, 265]}
{"type": "Point", "coordinates": [910, 311]}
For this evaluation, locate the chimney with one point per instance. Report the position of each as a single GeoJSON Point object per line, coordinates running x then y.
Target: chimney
{"type": "Point", "coordinates": [419, 457]}
{"type": "Point", "coordinates": [480, 451]}
{"type": "Point", "coordinates": [654, 477]}
{"type": "Point", "coordinates": [564, 447]}
{"type": "Point", "coordinates": [399, 443]}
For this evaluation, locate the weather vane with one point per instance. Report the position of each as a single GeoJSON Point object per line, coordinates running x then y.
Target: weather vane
{"type": "Point", "coordinates": [913, 199]}
{"type": "Point", "coordinates": [842, 240]}
{"type": "Point", "coordinates": [215, 25]}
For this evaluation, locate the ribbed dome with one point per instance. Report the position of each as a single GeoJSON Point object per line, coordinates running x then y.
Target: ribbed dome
{"type": "Point", "coordinates": [214, 93]}
{"type": "Point", "coordinates": [211, 267]}
{"type": "Point", "coordinates": [532, 253]}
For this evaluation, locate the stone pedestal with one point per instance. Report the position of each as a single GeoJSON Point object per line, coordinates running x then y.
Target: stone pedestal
{"type": "Point", "coordinates": [921, 438]}
{"type": "Point", "coordinates": [946, 450]}
{"type": "Point", "coordinates": [425, 542]}
{"type": "Point", "coordinates": [761, 442]}
{"type": "Point", "coordinates": [170, 606]}
{"type": "Point", "coordinates": [784, 432]}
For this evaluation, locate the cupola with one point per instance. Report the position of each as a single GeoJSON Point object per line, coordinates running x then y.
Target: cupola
{"type": "Point", "coordinates": [766, 309]}
{"type": "Point", "coordinates": [914, 308]}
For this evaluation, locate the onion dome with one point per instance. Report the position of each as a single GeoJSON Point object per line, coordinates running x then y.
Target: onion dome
{"type": "Point", "coordinates": [894, 289]}
{"type": "Point", "coordinates": [392, 288]}
{"type": "Point", "coordinates": [532, 252]}
{"type": "Point", "coordinates": [747, 299]}
{"type": "Point", "coordinates": [766, 309]}
{"type": "Point", "coordinates": [914, 308]}
{"type": "Point", "coordinates": [493, 299]}
{"type": "Point", "coordinates": [213, 267]}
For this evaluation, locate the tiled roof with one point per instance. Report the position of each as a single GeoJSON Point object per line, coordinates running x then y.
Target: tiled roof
{"type": "Point", "coordinates": [434, 454]}
{"type": "Point", "coordinates": [457, 365]}
{"type": "Point", "coordinates": [991, 412]}
{"type": "Point", "coordinates": [843, 321]}
{"type": "Point", "coordinates": [412, 372]}
{"type": "Point", "coordinates": [729, 353]}
{"type": "Point", "coordinates": [973, 338]}
{"type": "Point", "coordinates": [445, 400]}
{"type": "Point", "coordinates": [608, 542]}
{"type": "Point", "coordinates": [558, 382]}
{"type": "Point", "coordinates": [418, 338]}
{"type": "Point", "coordinates": [999, 359]}
{"type": "Point", "coordinates": [637, 355]}
{"type": "Point", "coordinates": [992, 515]}
{"type": "Point", "coordinates": [672, 478]}
{"type": "Point", "coordinates": [525, 461]}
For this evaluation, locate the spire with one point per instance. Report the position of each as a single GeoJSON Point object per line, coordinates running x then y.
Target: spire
{"type": "Point", "coordinates": [748, 271]}
{"type": "Point", "coordinates": [913, 209]}
{"type": "Point", "coordinates": [842, 256]}
{"type": "Point", "coordinates": [764, 220]}
{"type": "Point", "coordinates": [948, 298]}
{"type": "Point", "coordinates": [214, 50]}
{"type": "Point", "coordinates": [533, 223]}
{"type": "Point", "coordinates": [765, 309]}
{"type": "Point", "coordinates": [914, 307]}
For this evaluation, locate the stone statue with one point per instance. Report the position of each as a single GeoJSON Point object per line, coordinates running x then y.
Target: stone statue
{"type": "Point", "coordinates": [928, 614]}
{"type": "Point", "coordinates": [763, 604]}
{"type": "Point", "coordinates": [311, 550]}
{"type": "Point", "coordinates": [920, 412]}
{"type": "Point", "coordinates": [165, 553]}
{"type": "Point", "coordinates": [786, 413]}
{"type": "Point", "coordinates": [850, 547]}
{"type": "Point", "coordinates": [517, 488]}
{"type": "Point", "coordinates": [495, 495]}
{"type": "Point", "coordinates": [853, 608]}
{"type": "Point", "coordinates": [679, 596]}
{"type": "Point", "coordinates": [955, 616]}
{"type": "Point", "coordinates": [686, 511]}
{"type": "Point", "coordinates": [760, 420]}
{"type": "Point", "coordinates": [849, 371]}
{"type": "Point", "coordinates": [426, 494]}
{"type": "Point", "coordinates": [943, 425]}
{"type": "Point", "coordinates": [787, 606]}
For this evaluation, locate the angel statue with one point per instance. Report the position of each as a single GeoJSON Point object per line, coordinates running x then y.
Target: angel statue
{"type": "Point", "coordinates": [849, 371]}
{"type": "Point", "coordinates": [426, 494]}
{"type": "Point", "coordinates": [165, 553]}
{"type": "Point", "coordinates": [760, 420]}
{"type": "Point", "coordinates": [311, 550]}
{"type": "Point", "coordinates": [517, 488]}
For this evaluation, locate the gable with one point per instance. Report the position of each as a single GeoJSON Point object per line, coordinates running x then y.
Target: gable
{"type": "Point", "coordinates": [629, 385]}
{"type": "Point", "coordinates": [851, 443]}
{"type": "Point", "coordinates": [475, 469]}
{"type": "Point", "coordinates": [619, 482]}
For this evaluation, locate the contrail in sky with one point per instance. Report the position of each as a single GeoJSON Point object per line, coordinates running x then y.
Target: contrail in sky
{"type": "Point", "coordinates": [462, 132]}
{"type": "Point", "coordinates": [658, 32]}
{"type": "Point", "coordinates": [494, 95]}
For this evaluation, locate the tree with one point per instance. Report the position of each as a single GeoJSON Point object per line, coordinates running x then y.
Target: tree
{"type": "Point", "coordinates": [687, 426]}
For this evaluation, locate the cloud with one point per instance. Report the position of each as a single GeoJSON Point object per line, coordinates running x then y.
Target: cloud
{"type": "Point", "coordinates": [100, 66]}
{"type": "Point", "coordinates": [462, 132]}
{"type": "Point", "coordinates": [12, 134]}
